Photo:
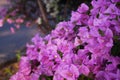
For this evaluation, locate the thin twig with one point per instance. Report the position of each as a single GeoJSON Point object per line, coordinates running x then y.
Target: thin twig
{"type": "Point", "coordinates": [65, 8]}
{"type": "Point", "coordinates": [44, 14]}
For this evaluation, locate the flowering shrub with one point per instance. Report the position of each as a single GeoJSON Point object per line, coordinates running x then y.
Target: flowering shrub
{"type": "Point", "coordinates": [86, 45]}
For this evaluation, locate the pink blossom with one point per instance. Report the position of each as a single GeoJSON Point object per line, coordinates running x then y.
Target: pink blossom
{"type": "Point", "coordinates": [1, 22]}
{"type": "Point", "coordinates": [19, 20]}
{"type": "Point", "coordinates": [12, 29]}
{"type": "Point", "coordinates": [9, 20]}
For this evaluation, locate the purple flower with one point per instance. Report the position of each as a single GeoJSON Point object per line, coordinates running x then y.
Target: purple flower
{"type": "Point", "coordinates": [20, 76]}
{"type": "Point", "coordinates": [83, 8]}
{"type": "Point", "coordinates": [32, 52]}
{"type": "Point", "coordinates": [84, 34]}
{"type": "Point", "coordinates": [115, 0]}
{"type": "Point", "coordinates": [112, 9]}
{"type": "Point", "coordinates": [69, 72]}
{"type": "Point", "coordinates": [84, 70]}
{"type": "Point", "coordinates": [58, 77]}
{"type": "Point", "coordinates": [25, 66]}
{"type": "Point", "coordinates": [75, 17]}
{"type": "Point", "coordinates": [102, 76]}
{"type": "Point", "coordinates": [47, 66]}
{"type": "Point", "coordinates": [34, 76]}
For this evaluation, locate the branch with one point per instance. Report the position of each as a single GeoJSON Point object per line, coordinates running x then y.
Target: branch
{"type": "Point", "coordinates": [44, 14]}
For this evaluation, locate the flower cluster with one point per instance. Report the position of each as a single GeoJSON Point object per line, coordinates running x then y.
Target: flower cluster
{"type": "Point", "coordinates": [82, 46]}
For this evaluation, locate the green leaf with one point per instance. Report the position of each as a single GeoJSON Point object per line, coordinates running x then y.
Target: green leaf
{"type": "Point", "coordinates": [116, 37]}
{"type": "Point", "coordinates": [18, 55]}
{"type": "Point", "coordinates": [118, 4]}
{"type": "Point", "coordinates": [60, 53]}
{"type": "Point", "coordinates": [115, 50]}
{"type": "Point", "coordinates": [8, 71]}
{"type": "Point", "coordinates": [83, 77]}
{"type": "Point", "coordinates": [101, 32]}
{"type": "Point", "coordinates": [46, 77]}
